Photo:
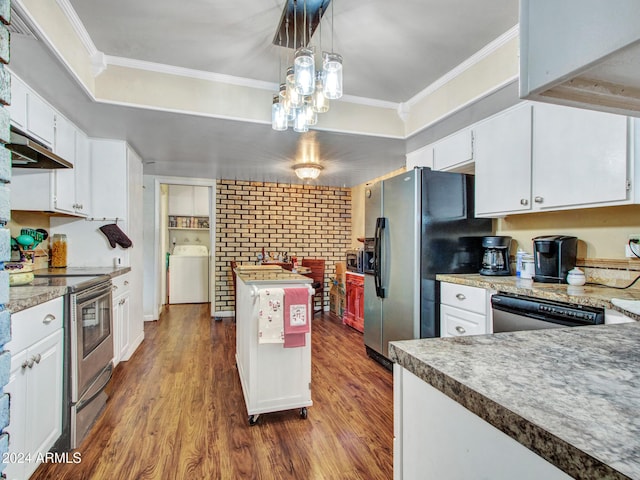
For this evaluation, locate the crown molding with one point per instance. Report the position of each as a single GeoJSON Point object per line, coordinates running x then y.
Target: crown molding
{"type": "Point", "coordinates": [78, 26]}
{"type": "Point", "coordinates": [481, 54]}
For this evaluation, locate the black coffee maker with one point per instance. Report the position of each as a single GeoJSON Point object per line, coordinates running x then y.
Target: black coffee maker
{"type": "Point", "coordinates": [554, 256]}
{"type": "Point", "coordinates": [495, 257]}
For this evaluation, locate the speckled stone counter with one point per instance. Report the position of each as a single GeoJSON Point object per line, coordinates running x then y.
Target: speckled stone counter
{"type": "Point", "coordinates": [594, 296]}
{"type": "Point", "coordinates": [266, 277]}
{"type": "Point", "coordinates": [27, 296]}
{"type": "Point", "coordinates": [571, 395]}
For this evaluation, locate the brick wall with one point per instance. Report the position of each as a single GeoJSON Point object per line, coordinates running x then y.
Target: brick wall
{"type": "Point", "coordinates": [302, 220]}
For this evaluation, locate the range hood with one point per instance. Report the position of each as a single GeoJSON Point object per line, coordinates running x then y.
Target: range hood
{"type": "Point", "coordinates": [28, 153]}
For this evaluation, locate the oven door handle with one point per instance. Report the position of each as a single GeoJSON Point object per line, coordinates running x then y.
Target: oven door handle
{"type": "Point", "coordinates": [89, 297]}
{"type": "Point", "coordinates": [96, 388]}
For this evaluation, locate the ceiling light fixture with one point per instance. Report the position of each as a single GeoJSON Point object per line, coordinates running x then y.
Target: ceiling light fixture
{"type": "Point", "coordinates": [307, 170]}
{"type": "Point", "coordinates": [306, 90]}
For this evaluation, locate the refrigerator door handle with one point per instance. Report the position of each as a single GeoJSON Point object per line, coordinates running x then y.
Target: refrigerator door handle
{"type": "Point", "coordinates": [377, 247]}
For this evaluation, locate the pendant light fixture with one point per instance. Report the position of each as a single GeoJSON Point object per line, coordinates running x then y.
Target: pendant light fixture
{"type": "Point", "coordinates": [306, 90]}
{"type": "Point", "coordinates": [332, 70]}
{"type": "Point", "coordinates": [307, 170]}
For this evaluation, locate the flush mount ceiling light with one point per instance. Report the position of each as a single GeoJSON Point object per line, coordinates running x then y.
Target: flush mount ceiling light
{"type": "Point", "coordinates": [307, 170]}
{"type": "Point", "coordinates": [306, 89]}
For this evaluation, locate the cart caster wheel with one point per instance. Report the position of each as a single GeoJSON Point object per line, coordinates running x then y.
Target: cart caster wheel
{"type": "Point", "coordinates": [303, 413]}
{"type": "Point", "coordinates": [253, 419]}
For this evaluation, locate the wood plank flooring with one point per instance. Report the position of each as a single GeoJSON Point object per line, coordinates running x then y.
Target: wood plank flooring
{"type": "Point", "coordinates": [176, 411]}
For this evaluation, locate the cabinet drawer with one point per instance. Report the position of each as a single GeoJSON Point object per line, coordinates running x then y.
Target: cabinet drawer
{"type": "Point", "coordinates": [473, 299]}
{"type": "Point", "coordinates": [455, 322]}
{"type": "Point", "coordinates": [35, 323]}
{"type": "Point", "coordinates": [120, 285]}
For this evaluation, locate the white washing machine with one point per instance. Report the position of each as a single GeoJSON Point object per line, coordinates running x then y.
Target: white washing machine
{"type": "Point", "coordinates": [189, 274]}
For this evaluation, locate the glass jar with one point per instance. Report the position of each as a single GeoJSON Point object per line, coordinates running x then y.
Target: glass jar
{"type": "Point", "coordinates": [59, 251]}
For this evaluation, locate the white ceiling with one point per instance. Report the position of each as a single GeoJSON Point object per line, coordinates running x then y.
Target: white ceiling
{"type": "Point", "coordinates": [392, 51]}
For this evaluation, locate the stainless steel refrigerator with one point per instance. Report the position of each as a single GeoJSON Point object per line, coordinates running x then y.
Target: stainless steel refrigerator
{"type": "Point", "coordinates": [417, 224]}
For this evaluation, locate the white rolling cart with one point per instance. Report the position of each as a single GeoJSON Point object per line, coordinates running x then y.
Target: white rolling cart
{"type": "Point", "coordinates": [273, 378]}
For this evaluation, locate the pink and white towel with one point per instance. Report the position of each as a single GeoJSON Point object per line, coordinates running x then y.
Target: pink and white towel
{"type": "Point", "coordinates": [296, 316]}
{"type": "Point", "coordinates": [270, 317]}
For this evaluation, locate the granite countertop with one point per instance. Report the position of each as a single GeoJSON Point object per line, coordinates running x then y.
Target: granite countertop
{"type": "Point", "coordinates": [590, 295]}
{"type": "Point", "coordinates": [571, 395]}
{"type": "Point", "coordinates": [270, 276]}
{"type": "Point", "coordinates": [27, 296]}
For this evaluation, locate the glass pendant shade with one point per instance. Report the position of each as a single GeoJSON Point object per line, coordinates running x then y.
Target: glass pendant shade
{"type": "Point", "coordinates": [295, 99]}
{"type": "Point", "coordinates": [304, 71]}
{"type": "Point", "coordinates": [320, 102]}
{"type": "Point", "coordinates": [311, 114]}
{"type": "Point", "coordinates": [278, 115]}
{"type": "Point", "coordinates": [307, 171]}
{"type": "Point", "coordinates": [332, 73]}
{"type": "Point", "coordinates": [300, 121]}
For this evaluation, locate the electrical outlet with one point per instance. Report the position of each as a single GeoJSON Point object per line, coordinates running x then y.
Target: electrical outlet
{"type": "Point", "coordinates": [633, 250]}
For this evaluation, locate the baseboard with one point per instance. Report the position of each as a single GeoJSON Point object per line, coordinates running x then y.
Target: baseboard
{"type": "Point", "coordinates": [133, 347]}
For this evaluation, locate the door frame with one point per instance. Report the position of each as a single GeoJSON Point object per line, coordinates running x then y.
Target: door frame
{"type": "Point", "coordinates": [159, 254]}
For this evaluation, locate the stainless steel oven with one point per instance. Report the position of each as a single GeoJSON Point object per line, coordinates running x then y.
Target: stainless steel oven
{"type": "Point", "coordinates": [91, 345]}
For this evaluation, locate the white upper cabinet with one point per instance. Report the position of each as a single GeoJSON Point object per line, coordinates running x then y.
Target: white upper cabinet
{"type": "Point", "coordinates": [547, 157]}
{"type": "Point", "coordinates": [453, 152]}
{"type": "Point", "coordinates": [423, 157]}
{"type": "Point", "coordinates": [109, 184]}
{"type": "Point", "coordinates": [503, 162]}
{"type": "Point", "coordinates": [581, 53]}
{"type": "Point", "coordinates": [579, 157]}
{"type": "Point", "coordinates": [188, 200]}
{"type": "Point", "coordinates": [64, 144]}
{"type": "Point", "coordinates": [31, 113]}
{"type": "Point", "coordinates": [82, 168]}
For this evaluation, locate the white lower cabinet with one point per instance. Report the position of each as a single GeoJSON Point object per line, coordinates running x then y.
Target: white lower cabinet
{"type": "Point", "coordinates": [34, 387]}
{"type": "Point", "coordinates": [436, 437]}
{"type": "Point", "coordinates": [464, 310]}
{"type": "Point", "coordinates": [121, 317]}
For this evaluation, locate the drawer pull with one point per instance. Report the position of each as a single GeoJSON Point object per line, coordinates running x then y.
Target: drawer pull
{"type": "Point", "coordinates": [48, 319]}
{"type": "Point", "coordinates": [126, 282]}
{"type": "Point", "coordinates": [538, 199]}
{"type": "Point", "coordinates": [460, 330]}
{"type": "Point", "coordinates": [460, 296]}
{"type": "Point", "coordinates": [114, 287]}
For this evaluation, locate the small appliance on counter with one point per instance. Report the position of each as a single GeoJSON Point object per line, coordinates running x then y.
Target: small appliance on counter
{"type": "Point", "coordinates": [495, 257]}
{"type": "Point", "coordinates": [554, 256]}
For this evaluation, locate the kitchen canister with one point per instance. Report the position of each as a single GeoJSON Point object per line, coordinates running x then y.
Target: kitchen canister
{"type": "Point", "coordinates": [576, 277]}
{"type": "Point", "coordinates": [59, 250]}
{"type": "Point", "coordinates": [528, 267]}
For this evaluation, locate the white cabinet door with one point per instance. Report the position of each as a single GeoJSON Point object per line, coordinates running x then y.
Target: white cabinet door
{"type": "Point", "coordinates": [18, 107]}
{"type": "Point", "coordinates": [201, 201]}
{"type": "Point", "coordinates": [579, 157]}
{"type": "Point", "coordinates": [17, 389]}
{"type": "Point", "coordinates": [44, 394]}
{"type": "Point", "coordinates": [423, 157]}
{"type": "Point", "coordinates": [82, 168]}
{"type": "Point", "coordinates": [453, 151]}
{"type": "Point", "coordinates": [109, 185]}
{"type": "Point", "coordinates": [40, 119]}
{"type": "Point", "coordinates": [65, 139]}
{"type": "Point", "coordinates": [503, 163]}
{"type": "Point", "coordinates": [181, 200]}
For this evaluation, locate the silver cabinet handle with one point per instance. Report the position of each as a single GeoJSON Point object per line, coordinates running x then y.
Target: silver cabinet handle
{"type": "Point", "coordinates": [27, 363]}
{"type": "Point", "coordinates": [460, 330]}
{"type": "Point", "coordinates": [122, 301]}
{"type": "Point", "coordinates": [48, 319]}
{"type": "Point", "coordinates": [460, 296]}
{"type": "Point", "coordinates": [126, 282]}
{"type": "Point", "coordinates": [524, 201]}
{"type": "Point", "coordinates": [538, 199]}
{"type": "Point", "coordinates": [37, 358]}
{"type": "Point", "coordinates": [114, 287]}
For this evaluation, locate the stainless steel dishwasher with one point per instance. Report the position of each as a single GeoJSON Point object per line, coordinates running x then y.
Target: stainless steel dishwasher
{"type": "Point", "coordinates": [512, 313]}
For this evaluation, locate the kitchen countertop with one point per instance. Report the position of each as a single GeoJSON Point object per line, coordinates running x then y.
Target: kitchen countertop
{"type": "Point", "coordinates": [591, 295]}
{"type": "Point", "coordinates": [26, 296]}
{"type": "Point", "coordinates": [270, 276]}
{"type": "Point", "coordinates": [571, 395]}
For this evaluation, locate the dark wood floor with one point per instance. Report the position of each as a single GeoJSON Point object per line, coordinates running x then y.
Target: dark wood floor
{"type": "Point", "coordinates": [176, 411]}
